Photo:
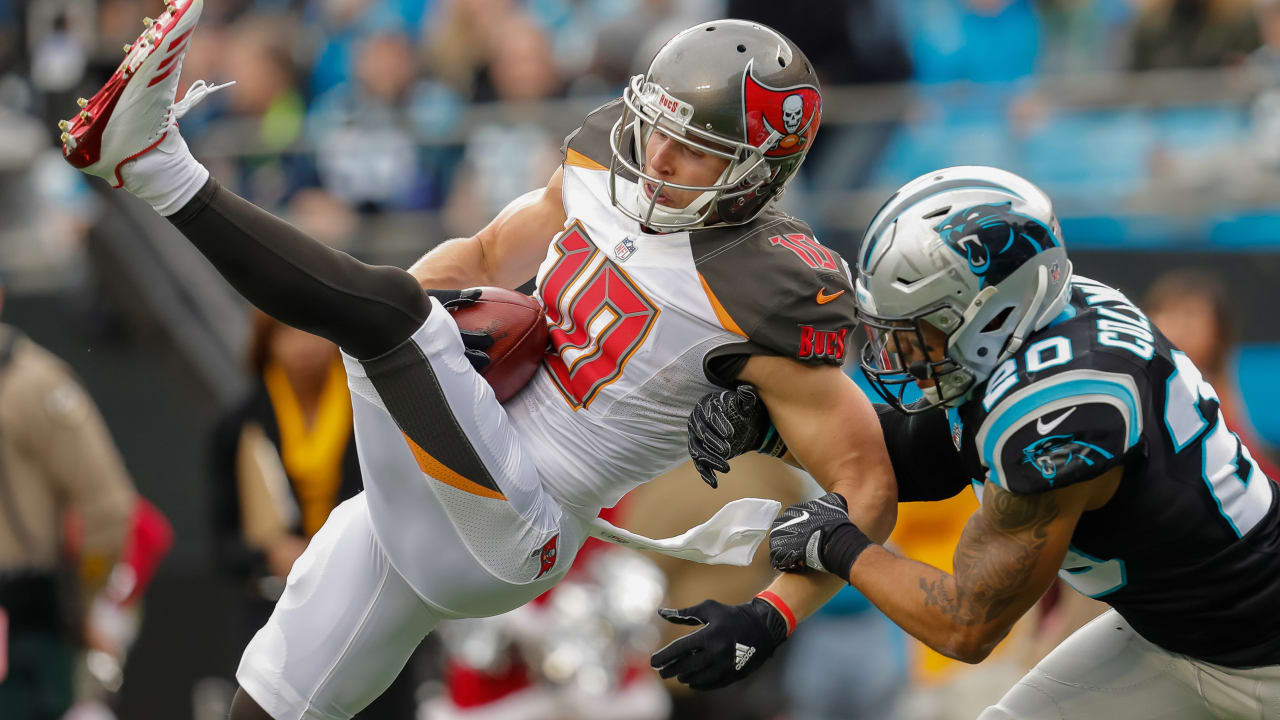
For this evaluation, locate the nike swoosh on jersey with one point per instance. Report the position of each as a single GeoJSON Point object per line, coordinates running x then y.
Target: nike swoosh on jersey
{"type": "Point", "coordinates": [1044, 428]}
{"type": "Point", "coordinates": [804, 515]}
{"type": "Point", "coordinates": [824, 298]}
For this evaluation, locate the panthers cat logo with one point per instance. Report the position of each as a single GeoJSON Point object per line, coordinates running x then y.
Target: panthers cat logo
{"type": "Point", "coordinates": [994, 239]}
{"type": "Point", "coordinates": [1055, 453]}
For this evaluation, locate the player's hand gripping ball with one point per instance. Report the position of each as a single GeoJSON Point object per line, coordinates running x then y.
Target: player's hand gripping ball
{"type": "Point", "coordinates": [505, 333]}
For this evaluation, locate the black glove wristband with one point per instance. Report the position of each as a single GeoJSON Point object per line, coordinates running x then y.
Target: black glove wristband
{"type": "Point", "coordinates": [842, 549]}
{"type": "Point", "coordinates": [772, 443]}
{"type": "Point", "coordinates": [773, 620]}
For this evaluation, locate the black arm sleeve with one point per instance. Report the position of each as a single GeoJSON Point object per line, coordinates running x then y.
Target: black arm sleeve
{"type": "Point", "coordinates": [924, 459]}
{"type": "Point", "coordinates": [366, 310]}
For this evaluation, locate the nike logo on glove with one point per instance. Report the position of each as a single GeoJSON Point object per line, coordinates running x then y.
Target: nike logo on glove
{"type": "Point", "coordinates": [804, 515]}
{"type": "Point", "coordinates": [1044, 428]}
{"type": "Point", "coordinates": [824, 298]}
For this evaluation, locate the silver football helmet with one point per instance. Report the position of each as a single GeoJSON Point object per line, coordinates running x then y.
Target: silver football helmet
{"type": "Point", "coordinates": [732, 89]}
{"type": "Point", "coordinates": [976, 253]}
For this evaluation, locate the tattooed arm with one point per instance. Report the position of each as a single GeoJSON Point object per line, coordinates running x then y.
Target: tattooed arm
{"type": "Point", "coordinates": [1007, 557]}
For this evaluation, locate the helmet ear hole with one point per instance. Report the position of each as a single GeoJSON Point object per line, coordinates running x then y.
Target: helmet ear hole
{"type": "Point", "coordinates": [997, 322]}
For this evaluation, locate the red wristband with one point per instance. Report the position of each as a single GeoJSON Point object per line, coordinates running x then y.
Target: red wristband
{"type": "Point", "coordinates": [772, 598]}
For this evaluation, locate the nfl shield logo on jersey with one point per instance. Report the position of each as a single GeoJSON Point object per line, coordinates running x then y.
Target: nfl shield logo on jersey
{"type": "Point", "coordinates": [624, 249]}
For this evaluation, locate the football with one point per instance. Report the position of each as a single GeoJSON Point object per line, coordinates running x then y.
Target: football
{"type": "Point", "coordinates": [518, 327]}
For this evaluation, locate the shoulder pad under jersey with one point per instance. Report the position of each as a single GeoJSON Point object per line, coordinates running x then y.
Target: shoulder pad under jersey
{"type": "Point", "coordinates": [775, 285]}
{"type": "Point", "coordinates": [1063, 423]}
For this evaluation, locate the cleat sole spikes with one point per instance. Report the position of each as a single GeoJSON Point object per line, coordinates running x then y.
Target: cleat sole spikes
{"type": "Point", "coordinates": [131, 113]}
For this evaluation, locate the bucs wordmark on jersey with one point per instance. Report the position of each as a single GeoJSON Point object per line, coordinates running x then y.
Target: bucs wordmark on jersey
{"type": "Point", "coordinates": [1188, 548]}
{"type": "Point", "coordinates": [644, 324]}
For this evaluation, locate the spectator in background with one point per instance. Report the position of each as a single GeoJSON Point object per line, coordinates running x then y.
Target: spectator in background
{"type": "Point", "coordinates": [575, 28]}
{"type": "Point", "coordinates": [366, 152]}
{"type": "Point", "coordinates": [1193, 34]}
{"type": "Point", "coordinates": [343, 25]}
{"type": "Point", "coordinates": [1267, 56]}
{"type": "Point", "coordinates": [1085, 37]}
{"type": "Point", "coordinates": [1191, 308]}
{"type": "Point", "coordinates": [505, 157]}
{"type": "Point", "coordinates": [56, 457]}
{"type": "Point", "coordinates": [1265, 137]}
{"type": "Point", "coordinates": [462, 37]}
{"type": "Point", "coordinates": [267, 106]}
{"type": "Point", "coordinates": [980, 41]}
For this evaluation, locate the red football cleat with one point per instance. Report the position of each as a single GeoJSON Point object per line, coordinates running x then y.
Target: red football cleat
{"type": "Point", "coordinates": [134, 111]}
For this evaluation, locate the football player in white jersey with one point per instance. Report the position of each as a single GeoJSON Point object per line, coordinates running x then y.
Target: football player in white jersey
{"type": "Point", "coordinates": [665, 273]}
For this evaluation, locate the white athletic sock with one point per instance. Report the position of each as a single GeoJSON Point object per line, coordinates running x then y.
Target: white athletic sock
{"type": "Point", "coordinates": [167, 177]}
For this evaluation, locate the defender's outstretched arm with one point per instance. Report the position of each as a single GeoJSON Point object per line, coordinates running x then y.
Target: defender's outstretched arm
{"type": "Point", "coordinates": [1009, 553]}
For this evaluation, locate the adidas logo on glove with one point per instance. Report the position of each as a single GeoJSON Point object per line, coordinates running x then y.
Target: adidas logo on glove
{"type": "Point", "coordinates": [743, 655]}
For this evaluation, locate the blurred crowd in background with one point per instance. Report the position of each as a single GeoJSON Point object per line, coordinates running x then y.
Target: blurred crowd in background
{"type": "Point", "coordinates": [353, 110]}
{"type": "Point", "coordinates": [385, 126]}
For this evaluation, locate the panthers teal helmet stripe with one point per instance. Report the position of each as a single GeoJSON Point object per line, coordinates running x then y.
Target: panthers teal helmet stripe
{"type": "Point", "coordinates": [1076, 387]}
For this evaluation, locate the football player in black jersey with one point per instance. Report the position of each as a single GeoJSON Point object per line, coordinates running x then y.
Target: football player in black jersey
{"type": "Point", "coordinates": [1096, 448]}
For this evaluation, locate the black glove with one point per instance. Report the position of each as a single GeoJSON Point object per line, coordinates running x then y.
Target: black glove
{"type": "Point", "coordinates": [475, 341]}
{"type": "Point", "coordinates": [732, 643]}
{"type": "Point", "coordinates": [724, 425]}
{"type": "Point", "coordinates": [816, 535]}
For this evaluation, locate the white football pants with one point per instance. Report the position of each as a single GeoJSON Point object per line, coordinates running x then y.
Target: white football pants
{"type": "Point", "coordinates": [1107, 670]}
{"type": "Point", "coordinates": [453, 522]}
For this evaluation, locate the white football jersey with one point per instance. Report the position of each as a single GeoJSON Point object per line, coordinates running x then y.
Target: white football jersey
{"type": "Point", "coordinates": [639, 319]}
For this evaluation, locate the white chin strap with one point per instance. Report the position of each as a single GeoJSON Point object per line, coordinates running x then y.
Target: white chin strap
{"type": "Point", "coordinates": [932, 395]}
{"type": "Point", "coordinates": [1024, 326]}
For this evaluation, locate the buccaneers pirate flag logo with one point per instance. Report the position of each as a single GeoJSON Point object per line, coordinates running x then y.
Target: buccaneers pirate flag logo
{"type": "Point", "coordinates": [783, 120]}
{"type": "Point", "coordinates": [547, 555]}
